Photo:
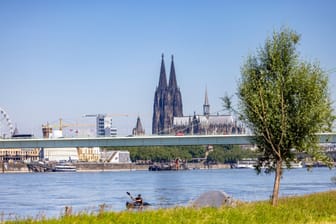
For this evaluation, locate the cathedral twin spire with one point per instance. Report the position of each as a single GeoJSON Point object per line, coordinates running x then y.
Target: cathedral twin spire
{"type": "Point", "coordinates": [167, 101]}
{"type": "Point", "coordinates": [163, 77]}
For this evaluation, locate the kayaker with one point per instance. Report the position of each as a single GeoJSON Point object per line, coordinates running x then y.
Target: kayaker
{"type": "Point", "coordinates": [138, 200]}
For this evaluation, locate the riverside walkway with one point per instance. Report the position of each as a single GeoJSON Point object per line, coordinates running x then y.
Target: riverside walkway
{"type": "Point", "coordinates": [140, 141]}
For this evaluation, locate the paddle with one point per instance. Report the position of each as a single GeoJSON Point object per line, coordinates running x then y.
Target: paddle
{"type": "Point", "coordinates": [129, 194]}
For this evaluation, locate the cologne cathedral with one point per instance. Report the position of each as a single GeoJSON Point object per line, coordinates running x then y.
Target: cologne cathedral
{"type": "Point", "coordinates": [167, 101]}
{"type": "Point", "coordinates": [168, 116]}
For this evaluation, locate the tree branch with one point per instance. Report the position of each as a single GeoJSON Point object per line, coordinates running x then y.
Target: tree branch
{"type": "Point", "coordinates": [268, 136]}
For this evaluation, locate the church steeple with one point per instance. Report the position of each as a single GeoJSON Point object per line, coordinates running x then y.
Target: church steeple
{"type": "Point", "coordinates": [206, 105]}
{"type": "Point", "coordinates": [138, 130]}
{"type": "Point", "coordinates": [172, 76]}
{"type": "Point", "coordinates": [163, 77]}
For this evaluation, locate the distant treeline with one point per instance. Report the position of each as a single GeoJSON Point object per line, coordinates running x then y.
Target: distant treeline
{"type": "Point", "coordinates": [218, 154]}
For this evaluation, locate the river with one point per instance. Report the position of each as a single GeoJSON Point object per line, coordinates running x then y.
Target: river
{"type": "Point", "coordinates": [46, 194]}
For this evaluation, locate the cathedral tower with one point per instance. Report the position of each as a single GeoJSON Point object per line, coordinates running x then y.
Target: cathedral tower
{"type": "Point", "coordinates": [138, 130]}
{"type": "Point", "coordinates": [159, 98]}
{"type": "Point", "coordinates": [175, 92]}
{"type": "Point", "coordinates": [206, 105]}
{"type": "Point", "coordinates": [167, 101]}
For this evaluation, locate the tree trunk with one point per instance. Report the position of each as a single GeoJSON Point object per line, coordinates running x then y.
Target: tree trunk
{"type": "Point", "coordinates": [276, 186]}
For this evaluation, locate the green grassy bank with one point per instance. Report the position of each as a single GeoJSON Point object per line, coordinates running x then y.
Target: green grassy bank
{"type": "Point", "coordinates": [314, 208]}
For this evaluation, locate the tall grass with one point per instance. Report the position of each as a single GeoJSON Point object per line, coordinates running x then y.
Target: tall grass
{"type": "Point", "coordinates": [314, 208]}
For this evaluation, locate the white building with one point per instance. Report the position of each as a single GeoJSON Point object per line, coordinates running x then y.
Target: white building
{"type": "Point", "coordinates": [104, 126]}
{"type": "Point", "coordinates": [115, 156]}
{"type": "Point", "coordinates": [59, 154]}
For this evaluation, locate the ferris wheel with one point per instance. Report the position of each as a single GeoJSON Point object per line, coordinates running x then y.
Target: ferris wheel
{"type": "Point", "coordinates": [6, 126]}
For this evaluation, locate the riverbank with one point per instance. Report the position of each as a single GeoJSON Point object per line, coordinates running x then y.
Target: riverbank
{"type": "Point", "coordinates": [313, 208]}
{"type": "Point", "coordinates": [21, 167]}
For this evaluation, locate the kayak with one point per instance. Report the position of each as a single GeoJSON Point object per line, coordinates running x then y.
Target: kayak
{"type": "Point", "coordinates": [136, 205]}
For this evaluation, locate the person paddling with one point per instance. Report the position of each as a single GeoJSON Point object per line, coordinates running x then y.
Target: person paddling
{"type": "Point", "coordinates": [138, 200]}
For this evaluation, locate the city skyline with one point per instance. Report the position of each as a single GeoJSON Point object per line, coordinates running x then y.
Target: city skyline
{"type": "Point", "coordinates": [64, 59]}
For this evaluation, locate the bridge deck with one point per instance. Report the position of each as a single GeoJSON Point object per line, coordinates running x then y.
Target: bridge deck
{"type": "Point", "coordinates": [141, 141]}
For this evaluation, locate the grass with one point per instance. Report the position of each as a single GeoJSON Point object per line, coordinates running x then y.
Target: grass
{"type": "Point", "coordinates": [314, 208]}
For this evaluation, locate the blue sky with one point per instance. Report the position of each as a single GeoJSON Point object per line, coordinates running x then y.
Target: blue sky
{"type": "Point", "coordinates": [63, 59]}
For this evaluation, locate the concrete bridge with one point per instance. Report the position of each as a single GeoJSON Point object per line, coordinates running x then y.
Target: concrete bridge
{"type": "Point", "coordinates": [141, 141]}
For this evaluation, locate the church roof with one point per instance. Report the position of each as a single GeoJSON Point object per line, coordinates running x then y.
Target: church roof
{"type": "Point", "coordinates": [210, 120]}
{"type": "Point", "coordinates": [219, 119]}
{"type": "Point", "coordinates": [180, 121]}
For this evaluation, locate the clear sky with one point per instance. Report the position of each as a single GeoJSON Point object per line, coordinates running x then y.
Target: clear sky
{"type": "Point", "coordinates": [66, 58]}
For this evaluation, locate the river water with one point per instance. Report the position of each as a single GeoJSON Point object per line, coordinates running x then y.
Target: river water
{"type": "Point", "coordinates": [46, 194]}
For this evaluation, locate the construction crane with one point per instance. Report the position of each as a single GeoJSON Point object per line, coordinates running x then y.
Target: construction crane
{"type": "Point", "coordinates": [106, 115]}
{"type": "Point", "coordinates": [74, 128]}
{"type": "Point", "coordinates": [62, 125]}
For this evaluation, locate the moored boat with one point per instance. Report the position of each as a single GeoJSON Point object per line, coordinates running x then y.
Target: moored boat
{"type": "Point", "coordinates": [245, 164]}
{"type": "Point", "coordinates": [293, 165]}
{"type": "Point", "coordinates": [63, 167]}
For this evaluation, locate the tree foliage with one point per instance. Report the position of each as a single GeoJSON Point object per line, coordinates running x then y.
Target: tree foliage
{"type": "Point", "coordinates": [163, 153]}
{"type": "Point", "coordinates": [229, 154]}
{"type": "Point", "coordinates": [220, 153]}
{"type": "Point", "coordinates": [284, 102]}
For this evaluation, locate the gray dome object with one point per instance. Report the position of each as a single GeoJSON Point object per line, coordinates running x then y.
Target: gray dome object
{"type": "Point", "coordinates": [213, 199]}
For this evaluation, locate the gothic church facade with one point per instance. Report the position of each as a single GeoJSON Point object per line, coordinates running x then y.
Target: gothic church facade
{"type": "Point", "coordinates": [168, 116]}
{"type": "Point", "coordinates": [167, 101]}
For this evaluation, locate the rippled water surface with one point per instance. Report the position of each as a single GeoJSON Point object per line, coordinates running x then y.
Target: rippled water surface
{"type": "Point", "coordinates": [36, 194]}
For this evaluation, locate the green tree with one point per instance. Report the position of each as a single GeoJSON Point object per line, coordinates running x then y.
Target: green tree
{"type": "Point", "coordinates": [162, 153]}
{"type": "Point", "coordinates": [230, 154]}
{"type": "Point", "coordinates": [285, 102]}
